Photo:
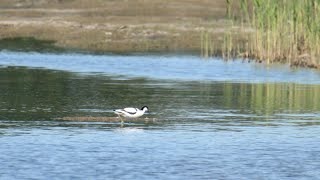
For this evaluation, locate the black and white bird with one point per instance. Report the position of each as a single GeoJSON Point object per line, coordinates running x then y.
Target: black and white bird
{"type": "Point", "coordinates": [130, 112]}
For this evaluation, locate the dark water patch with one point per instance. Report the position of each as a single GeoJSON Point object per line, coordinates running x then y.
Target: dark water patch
{"type": "Point", "coordinates": [29, 44]}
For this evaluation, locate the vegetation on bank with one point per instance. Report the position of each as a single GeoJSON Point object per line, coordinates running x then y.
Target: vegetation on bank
{"type": "Point", "coordinates": [283, 31]}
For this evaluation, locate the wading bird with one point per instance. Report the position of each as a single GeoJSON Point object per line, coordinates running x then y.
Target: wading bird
{"type": "Point", "coordinates": [130, 112]}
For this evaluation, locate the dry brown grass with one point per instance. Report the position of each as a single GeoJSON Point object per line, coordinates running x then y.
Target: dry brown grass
{"type": "Point", "coordinates": [115, 26]}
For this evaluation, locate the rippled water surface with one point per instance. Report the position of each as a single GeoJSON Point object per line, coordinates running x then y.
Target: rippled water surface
{"type": "Point", "coordinates": [213, 119]}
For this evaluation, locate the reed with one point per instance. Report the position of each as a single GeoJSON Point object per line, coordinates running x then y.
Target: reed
{"type": "Point", "coordinates": [207, 44]}
{"type": "Point", "coordinates": [284, 31]}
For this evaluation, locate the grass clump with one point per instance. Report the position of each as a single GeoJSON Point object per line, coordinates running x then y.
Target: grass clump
{"type": "Point", "coordinates": [283, 31]}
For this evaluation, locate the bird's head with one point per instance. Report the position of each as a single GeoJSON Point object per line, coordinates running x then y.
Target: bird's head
{"type": "Point", "coordinates": [145, 108]}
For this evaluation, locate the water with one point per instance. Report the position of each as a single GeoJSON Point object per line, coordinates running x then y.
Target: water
{"type": "Point", "coordinates": [214, 119]}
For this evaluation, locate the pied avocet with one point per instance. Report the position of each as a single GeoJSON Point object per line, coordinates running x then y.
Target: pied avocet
{"type": "Point", "coordinates": [130, 112]}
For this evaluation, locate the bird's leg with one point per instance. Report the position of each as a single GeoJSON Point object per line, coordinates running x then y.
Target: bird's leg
{"type": "Point", "coordinates": [121, 125]}
{"type": "Point", "coordinates": [121, 121]}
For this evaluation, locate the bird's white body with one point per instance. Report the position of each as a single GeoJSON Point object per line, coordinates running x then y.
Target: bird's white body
{"type": "Point", "coordinates": [130, 112]}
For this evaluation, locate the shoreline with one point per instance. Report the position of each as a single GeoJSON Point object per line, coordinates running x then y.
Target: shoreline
{"type": "Point", "coordinates": [121, 27]}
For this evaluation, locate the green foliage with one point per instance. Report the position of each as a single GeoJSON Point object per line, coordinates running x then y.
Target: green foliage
{"type": "Point", "coordinates": [286, 31]}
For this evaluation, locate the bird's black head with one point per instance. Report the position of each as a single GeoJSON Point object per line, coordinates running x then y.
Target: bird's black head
{"type": "Point", "coordinates": [145, 107]}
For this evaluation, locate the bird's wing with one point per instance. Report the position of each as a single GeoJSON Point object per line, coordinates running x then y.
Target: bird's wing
{"type": "Point", "coordinates": [130, 110]}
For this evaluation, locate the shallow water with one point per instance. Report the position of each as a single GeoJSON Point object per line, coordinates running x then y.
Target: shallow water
{"type": "Point", "coordinates": [214, 119]}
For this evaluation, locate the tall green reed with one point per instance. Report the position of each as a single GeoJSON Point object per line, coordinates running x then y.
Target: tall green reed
{"type": "Point", "coordinates": [284, 30]}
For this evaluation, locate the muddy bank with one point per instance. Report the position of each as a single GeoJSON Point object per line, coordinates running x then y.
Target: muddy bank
{"type": "Point", "coordinates": [115, 26]}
